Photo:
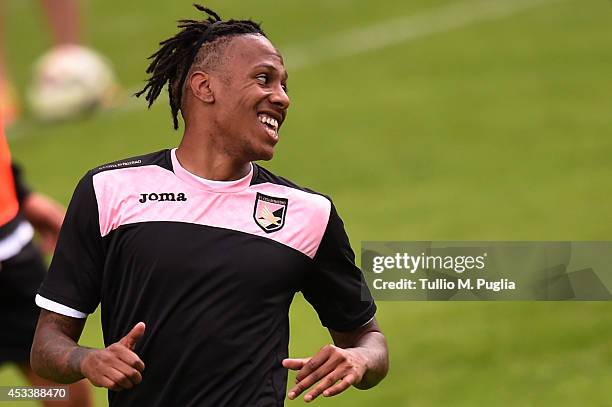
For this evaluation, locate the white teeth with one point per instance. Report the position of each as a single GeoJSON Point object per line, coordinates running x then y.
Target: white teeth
{"type": "Point", "coordinates": [269, 120]}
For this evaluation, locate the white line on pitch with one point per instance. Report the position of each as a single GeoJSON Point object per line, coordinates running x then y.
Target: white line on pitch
{"type": "Point", "coordinates": [377, 36]}
{"type": "Point", "coordinates": [402, 29]}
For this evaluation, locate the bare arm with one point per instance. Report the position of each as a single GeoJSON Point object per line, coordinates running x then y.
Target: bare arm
{"type": "Point", "coordinates": [57, 356]}
{"type": "Point", "coordinates": [359, 358]}
{"type": "Point", "coordinates": [55, 353]}
{"type": "Point", "coordinates": [46, 216]}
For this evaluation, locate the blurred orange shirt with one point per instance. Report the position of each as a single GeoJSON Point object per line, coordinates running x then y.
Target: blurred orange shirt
{"type": "Point", "coordinates": [9, 206]}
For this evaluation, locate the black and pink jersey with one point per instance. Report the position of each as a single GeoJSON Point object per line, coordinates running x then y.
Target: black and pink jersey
{"type": "Point", "coordinates": [211, 268]}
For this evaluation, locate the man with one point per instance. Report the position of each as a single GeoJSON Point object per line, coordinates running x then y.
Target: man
{"type": "Point", "coordinates": [195, 253]}
{"type": "Point", "coordinates": [22, 269]}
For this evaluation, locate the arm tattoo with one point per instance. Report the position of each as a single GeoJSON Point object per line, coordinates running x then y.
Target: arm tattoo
{"type": "Point", "coordinates": [55, 352]}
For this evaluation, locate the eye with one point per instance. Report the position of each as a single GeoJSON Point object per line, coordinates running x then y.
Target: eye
{"type": "Point", "coordinates": [285, 88]}
{"type": "Point", "coordinates": [263, 78]}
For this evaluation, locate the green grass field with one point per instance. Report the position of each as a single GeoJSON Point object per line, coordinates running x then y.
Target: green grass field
{"type": "Point", "coordinates": [474, 120]}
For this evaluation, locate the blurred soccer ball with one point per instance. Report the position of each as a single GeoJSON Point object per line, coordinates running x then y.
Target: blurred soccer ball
{"type": "Point", "coordinates": [68, 81]}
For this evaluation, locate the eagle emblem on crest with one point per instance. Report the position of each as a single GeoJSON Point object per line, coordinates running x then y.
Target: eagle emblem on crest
{"type": "Point", "coordinates": [269, 212]}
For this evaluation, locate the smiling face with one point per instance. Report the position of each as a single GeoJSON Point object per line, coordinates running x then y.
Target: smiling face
{"type": "Point", "coordinates": [250, 98]}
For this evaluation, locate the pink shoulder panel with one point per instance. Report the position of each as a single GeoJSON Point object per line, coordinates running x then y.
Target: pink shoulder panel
{"type": "Point", "coordinates": [289, 216]}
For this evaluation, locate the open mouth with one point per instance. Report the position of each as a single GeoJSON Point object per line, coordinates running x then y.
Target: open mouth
{"type": "Point", "coordinates": [270, 124]}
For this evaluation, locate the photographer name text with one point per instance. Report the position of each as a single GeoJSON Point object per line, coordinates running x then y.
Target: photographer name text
{"type": "Point", "coordinates": [457, 265]}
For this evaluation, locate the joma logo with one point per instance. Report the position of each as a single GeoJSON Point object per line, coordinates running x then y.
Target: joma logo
{"type": "Point", "coordinates": [162, 196]}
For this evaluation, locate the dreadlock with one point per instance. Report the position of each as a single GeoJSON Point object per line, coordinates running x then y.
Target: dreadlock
{"type": "Point", "coordinates": [176, 55]}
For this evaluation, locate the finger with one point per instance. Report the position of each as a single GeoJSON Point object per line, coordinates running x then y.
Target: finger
{"type": "Point", "coordinates": [130, 340]}
{"type": "Point", "coordinates": [129, 372]}
{"type": "Point", "coordinates": [340, 386]}
{"type": "Point", "coordinates": [295, 364]}
{"type": "Point", "coordinates": [313, 364]}
{"type": "Point", "coordinates": [128, 357]}
{"type": "Point", "coordinates": [102, 382]}
{"type": "Point", "coordinates": [110, 384]}
{"type": "Point", "coordinates": [119, 378]}
{"type": "Point", "coordinates": [312, 378]}
{"type": "Point", "coordinates": [326, 382]}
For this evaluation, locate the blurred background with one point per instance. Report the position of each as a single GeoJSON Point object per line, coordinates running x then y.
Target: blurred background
{"type": "Point", "coordinates": [424, 120]}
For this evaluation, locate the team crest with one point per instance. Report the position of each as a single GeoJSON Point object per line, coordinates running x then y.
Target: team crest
{"type": "Point", "coordinates": [269, 212]}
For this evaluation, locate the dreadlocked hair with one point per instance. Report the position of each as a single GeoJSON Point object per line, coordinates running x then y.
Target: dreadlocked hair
{"type": "Point", "coordinates": [176, 55]}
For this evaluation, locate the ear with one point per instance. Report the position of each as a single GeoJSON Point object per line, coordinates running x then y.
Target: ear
{"type": "Point", "coordinates": [199, 84]}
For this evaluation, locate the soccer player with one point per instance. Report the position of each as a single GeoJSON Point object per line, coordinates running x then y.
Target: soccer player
{"type": "Point", "coordinates": [195, 253]}
{"type": "Point", "coordinates": [22, 269]}
{"type": "Point", "coordinates": [64, 21]}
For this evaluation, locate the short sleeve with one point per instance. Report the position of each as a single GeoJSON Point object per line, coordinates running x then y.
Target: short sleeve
{"type": "Point", "coordinates": [73, 282]}
{"type": "Point", "coordinates": [336, 287]}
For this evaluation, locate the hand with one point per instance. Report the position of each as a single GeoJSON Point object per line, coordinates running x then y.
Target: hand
{"type": "Point", "coordinates": [116, 367]}
{"type": "Point", "coordinates": [46, 216]}
{"type": "Point", "coordinates": [335, 369]}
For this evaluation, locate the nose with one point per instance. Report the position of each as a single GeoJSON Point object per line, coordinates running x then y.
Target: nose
{"type": "Point", "coordinates": [280, 98]}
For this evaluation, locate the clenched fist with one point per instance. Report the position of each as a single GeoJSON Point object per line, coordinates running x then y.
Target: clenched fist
{"type": "Point", "coordinates": [116, 367]}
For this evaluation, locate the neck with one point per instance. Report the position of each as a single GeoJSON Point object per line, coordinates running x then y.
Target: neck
{"type": "Point", "coordinates": [201, 154]}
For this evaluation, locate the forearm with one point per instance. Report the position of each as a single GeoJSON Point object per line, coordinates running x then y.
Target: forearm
{"type": "Point", "coordinates": [42, 211]}
{"type": "Point", "coordinates": [56, 355]}
{"type": "Point", "coordinates": [372, 346]}
{"type": "Point", "coordinates": [58, 358]}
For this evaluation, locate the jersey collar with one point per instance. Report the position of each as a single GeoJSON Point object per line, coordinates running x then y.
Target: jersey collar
{"type": "Point", "coordinates": [207, 184]}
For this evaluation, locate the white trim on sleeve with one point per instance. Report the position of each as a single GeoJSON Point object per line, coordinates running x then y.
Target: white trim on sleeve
{"type": "Point", "coordinates": [49, 305]}
{"type": "Point", "coordinates": [12, 244]}
{"type": "Point", "coordinates": [369, 320]}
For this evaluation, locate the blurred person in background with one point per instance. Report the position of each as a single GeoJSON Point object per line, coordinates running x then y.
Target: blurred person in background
{"type": "Point", "coordinates": [22, 270]}
{"type": "Point", "coordinates": [196, 252]}
{"type": "Point", "coordinates": [64, 20]}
